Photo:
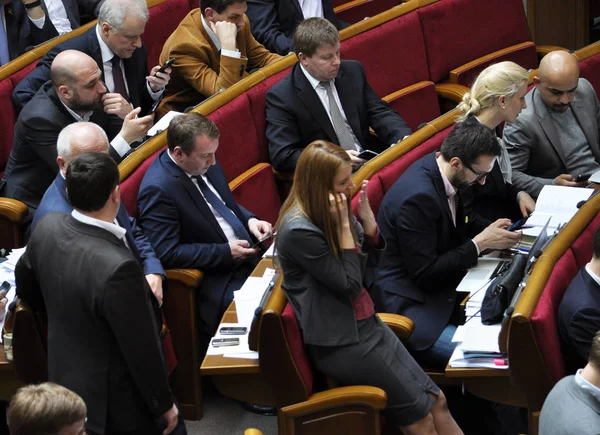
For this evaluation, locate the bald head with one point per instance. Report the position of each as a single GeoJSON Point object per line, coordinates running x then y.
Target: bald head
{"type": "Point", "coordinates": [78, 138]}
{"type": "Point", "coordinates": [67, 65]}
{"type": "Point", "coordinates": [557, 80]}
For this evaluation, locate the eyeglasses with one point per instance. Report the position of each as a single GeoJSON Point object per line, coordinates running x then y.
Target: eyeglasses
{"type": "Point", "coordinates": [480, 175]}
{"type": "Point", "coordinates": [83, 430]}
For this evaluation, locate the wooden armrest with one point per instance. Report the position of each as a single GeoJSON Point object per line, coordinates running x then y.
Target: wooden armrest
{"type": "Point", "coordinates": [543, 50]}
{"type": "Point", "coordinates": [246, 174]}
{"type": "Point", "coordinates": [188, 277]}
{"type": "Point", "coordinates": [402, 326]}
{"type": "Point", "coordinates": [451, 91]}
{"type": "Point", "coordinates": [371, 397]}
{"type": "Point", "coordinates": [14, 210]}
{"type": "Point", "coordinates": [252, 432]}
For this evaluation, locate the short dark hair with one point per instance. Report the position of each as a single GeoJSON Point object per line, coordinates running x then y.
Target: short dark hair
{"type": "Point", "coordinates": [594, 358]}
{"type": "Point", "coordinates": [313, 33]}
{"type": "Point", "coordinates": [184, 130]}
{"type": "Point", "coordinates": [596, 244]}
{"type": "Point", "coordinates": [217, 5]}
{"type": "Point", "coordinates": [468, 140]}
{"type": "Point", "coordinates": [90, 179]}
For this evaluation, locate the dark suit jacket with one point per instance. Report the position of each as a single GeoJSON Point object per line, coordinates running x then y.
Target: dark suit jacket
{"type": "Point", "coordinates": [579, 319]}
{"type": "Point", "coordinates": [426, 255]}
{"type": "Point", "coordinates": [32, 166]}
{"type": "Point", "coordinates": [22, 34]}
{"type": "Point", "coordinates": [136, 70]}
{"type": "Point", "coordinates": [274, 21]}
{"type": "Point", "coordinates": [296, 116]}
{"type": "Point", "coordinates": [76, 8]}
{"type": "Point", "coordinates": [56, 200]}
{"type": "Point", "coordinates": [185, 234]}
{"type": "Point", "coordinates": [102, 341]}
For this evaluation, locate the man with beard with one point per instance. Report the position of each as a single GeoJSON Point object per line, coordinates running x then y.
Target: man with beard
{"type": "Point", "coordinates": [430, 243]}
{"type": "Point", "coordinates": [557, 136]}
{"type": "Point", "coordinates": [73, 94]}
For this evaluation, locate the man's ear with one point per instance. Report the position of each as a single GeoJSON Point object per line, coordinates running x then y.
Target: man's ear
{"type": "Point", "coordinates": [61, 163]}
{"type": "Point", "coordinates": [455, 163]}
{"type": "Point", "coordinates": [536, 80]}
{"type": "Point", "coordinates": [302, 58]}
{"type": "Point", "coordinates": [64, 91]}
{"type": "Point", "coordinates": [115, 195]}
{"type": "Point", "coordinates": [209, 14]}
{"type": "Point", "coordinates": [104, 28]}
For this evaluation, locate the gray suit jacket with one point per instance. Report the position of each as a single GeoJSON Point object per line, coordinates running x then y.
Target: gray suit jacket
{"type": "Point", "coordinates": [569, 410]}
{"type": "Point", "coordinates": [319, 285]}
{"type": "Point", "coordinates": [536, 154]}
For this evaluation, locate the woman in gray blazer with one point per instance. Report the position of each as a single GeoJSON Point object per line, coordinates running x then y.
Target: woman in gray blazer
{"type": "Point", "coordinates": [319, 244]}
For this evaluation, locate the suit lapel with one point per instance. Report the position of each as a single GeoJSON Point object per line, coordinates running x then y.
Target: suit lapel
{"type": "Point", "coordinates": [123, 220]}
{"type": "Point", "coordinates": [438, 182]}
{"type": "Point", "coordinates": [313, 104]}
{"type": "Point", "coordinates": [587, 125]}
{"type": "Point", "coordinates": [548, 125]}
{"type": "Point", "coordinates": [94, 49]}
{"type": "Point", "coordinates": [131, 74]}
{"type": "Point", "coordinates": [297, 7]}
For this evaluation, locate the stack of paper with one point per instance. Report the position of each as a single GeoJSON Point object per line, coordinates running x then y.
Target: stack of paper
{"type": "Point", "coordinates": [478, 347]}
{"type": "Point", "coordinates": [7, 273]}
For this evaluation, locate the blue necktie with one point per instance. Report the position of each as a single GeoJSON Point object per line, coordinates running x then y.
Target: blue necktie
{"type": "Point", "coordinates": [4, 55]}
{"type": "Point", "coordinates": [223, 210]}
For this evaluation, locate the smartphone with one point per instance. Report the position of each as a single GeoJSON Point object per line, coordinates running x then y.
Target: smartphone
{"type": "Point", "coordinates": [582, 177]}
{"type": "Point", "coordinates": [166, 65]}
{"type": "Point", "coordinates": [518, 224]}
{"type": "Point", "coordinates": [367, 155]}
{"type": "Point", "coordinates": [5, 286]}
{"type": "Point", "coordinates": [233, 330]}
{"type": "Point", "coordinates": [264, 239]}
{"type": "Point", "coordinates": [220, 342]}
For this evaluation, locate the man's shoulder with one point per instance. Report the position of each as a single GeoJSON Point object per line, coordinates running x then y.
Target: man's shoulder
{"type": "Point", "coordinates": [416, 180]}
{"type": "Point", "coordinates": [44, 105]}
{"type": "Point", "coordinates": [579, 295]}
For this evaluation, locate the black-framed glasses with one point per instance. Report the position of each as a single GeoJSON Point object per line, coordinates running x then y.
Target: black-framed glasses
{"type": "Point", "coordinates": [83, 430]}
{"type": "Point", "coordinates": [480, 175]}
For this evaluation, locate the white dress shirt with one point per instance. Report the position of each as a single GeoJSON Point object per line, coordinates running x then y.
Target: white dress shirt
{"type": "Point", "coordinates": [322, 94]}
{"type": "Point", "coordinates": [113, 228]}
{"type": "Point", "coordinates": [213, 37]}
{"type": "Point", "coordinates": [58, 15]}
{"type": "Point", "coordinates": [311, 8]}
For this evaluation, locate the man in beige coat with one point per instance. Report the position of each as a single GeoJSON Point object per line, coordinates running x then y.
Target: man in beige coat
{"type": "Point", "coordinates": [213, 49]}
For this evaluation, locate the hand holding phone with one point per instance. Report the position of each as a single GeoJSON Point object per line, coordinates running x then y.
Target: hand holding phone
{"type": "Point", "coordinates": [264, 239]}
{"type": "Point", "coordinates": [518, 224]}
{"type": "Point", "coordinates": [166, 65]}
{"type": "Point", "coordinates": [582, 177]}
{"type": "Point", "coordinates": [367, 155]}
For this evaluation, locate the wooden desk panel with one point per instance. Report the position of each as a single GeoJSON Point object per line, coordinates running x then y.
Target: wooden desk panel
{"type": "Point", "coordinates": [9, 383]}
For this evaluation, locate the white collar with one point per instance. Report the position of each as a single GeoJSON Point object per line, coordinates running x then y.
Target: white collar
{"type": "Point", "coordinates": [112, 228]}
{"type": "Point", "coordinates": [105, 51]}
{"type": "Point", "coordinates": [213, 36]}
{"type": "Point", "coordinates": [587, 386]}
{"type": "Point", "coordinates": [313, 81]}
{"type": "Point", "coordinates": [86, 116]}
{"type": "Point", "coordinates": [595, 277]}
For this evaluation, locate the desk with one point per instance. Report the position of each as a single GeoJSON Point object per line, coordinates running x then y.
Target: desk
{"type": "Point", "coordinates": [239, 378]}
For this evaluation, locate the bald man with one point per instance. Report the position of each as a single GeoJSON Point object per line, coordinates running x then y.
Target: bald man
{"type": "Point", "coordinates": [74, 94]}
{"type": "Point", "coordinates": [556, 137]}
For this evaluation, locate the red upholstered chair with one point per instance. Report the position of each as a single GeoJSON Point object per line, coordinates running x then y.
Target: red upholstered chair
{"type": "Point", "coordinates": [589, 64]}
{"type": "Point", "coordinates": [306, 405]}
{"type": "Point", "coordinates": [357, 10]}
{"type": "Point", "coordinates": [462, 37]}
{"type": "Point", "coordinates": [164, 19]}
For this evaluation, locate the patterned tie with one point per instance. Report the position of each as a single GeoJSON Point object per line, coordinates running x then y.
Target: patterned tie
{"type": "Point", "coordinates": [223, 210]}
{"type": "Point", "coordinates": [339, 124]}
{"type": "Point", "coordinates": [4, 55]}
{"type": "Point", "coordinates": [120, 87]}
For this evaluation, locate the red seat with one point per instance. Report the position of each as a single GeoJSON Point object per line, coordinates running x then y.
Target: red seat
{"type": "Point", "coordinates": [164, 19]}
{"type": "Point", "coordinates": [357, 10]}
{"type": "Point", "coordinates": [131, 186]}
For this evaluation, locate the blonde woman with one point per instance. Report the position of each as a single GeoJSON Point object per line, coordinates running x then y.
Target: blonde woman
{"type": "Point", "coordinates": [497, 96]}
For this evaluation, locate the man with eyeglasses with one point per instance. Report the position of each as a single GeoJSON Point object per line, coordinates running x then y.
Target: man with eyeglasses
{"type": "Point", "coordinates": [430, 241]}
{"type": "Point", "coordinates": [556, 137]}
{"type": "Point", "coordinates": [115, 44]}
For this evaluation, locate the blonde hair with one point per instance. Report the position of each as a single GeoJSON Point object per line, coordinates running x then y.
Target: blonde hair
{"type": "Point", "coordinates": [501, 79]}
{"type": "Point", "coordinates": [313, 180]}
{"type": "Point", "coordinates": [44, 409]}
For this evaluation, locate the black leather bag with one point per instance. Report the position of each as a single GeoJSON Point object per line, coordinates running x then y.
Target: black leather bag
{"type": "Point", "coordinates": [501, 291]}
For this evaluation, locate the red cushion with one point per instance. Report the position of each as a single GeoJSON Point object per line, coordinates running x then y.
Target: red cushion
{"type": "Point", "coordinates": [525, 56]}
{"type": "Point", "coordinates": [258, 105]}
{"type": "Point", "coordinates": [459, 31]}
{"type": "Point", "coordinates": [543, 320]}
{"type": "Point", "coordinates": [164, 19]}
{"type": "Point", "coordinates": [239, 148]}
{"type": "Point", "coordinates": [418, 106]}
{"type": "Point", "coordinates": [19, 75]}
{"type": "Point", "coordinates": [258, 193]}
{"type": "Point", "coordinates": [582, 246]}
{"type": "Point", "coordinates": [399, 59]}
{"type": "Point", "coordinates": [7, 121]}
{"type": "Point", "coordinates": [131, 186]}
{"type": "Point", "coordinates": [590, 69]}
{"type": "Point", "coordinates": [365, 9]}
{"type": "Point", "coordinates": [294, 339]}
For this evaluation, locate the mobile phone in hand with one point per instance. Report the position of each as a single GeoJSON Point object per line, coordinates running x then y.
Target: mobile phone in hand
{"type": "Point", "coordinates": [582, 177]}
{"type": "Point", "coordinates": [367, 155]}
{"type": "Point", "coordinates": [166, 65]}
{"type": "Point", "coordinates": [518, 224]}
{"type": "Point", "coordinates": [264, 239]}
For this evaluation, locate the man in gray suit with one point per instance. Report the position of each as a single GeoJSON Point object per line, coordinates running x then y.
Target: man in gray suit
{"type": "Point", "coordinates": [556, 137]}
{"type": "Point", "coordinates": [573, 405]}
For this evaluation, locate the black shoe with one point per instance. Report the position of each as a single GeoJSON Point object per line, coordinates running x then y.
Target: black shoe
{"type": "Point", "coordinates": [259, 409]}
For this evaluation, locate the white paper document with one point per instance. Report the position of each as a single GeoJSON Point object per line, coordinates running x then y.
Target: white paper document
{"type": "Point", "coordinates": [482, 338]}
{"type": "Point", "coordinates": [163, 123]}
{"type": "Point", "coordinates": [248, 298]}
{"type": "Point", "coordinates": [559, 203]}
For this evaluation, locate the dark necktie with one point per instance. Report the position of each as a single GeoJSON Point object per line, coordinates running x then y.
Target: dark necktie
{"type": "Point", "coordinates": [223, 210]}
{"type": "Point", "coordinates": [120, 87]}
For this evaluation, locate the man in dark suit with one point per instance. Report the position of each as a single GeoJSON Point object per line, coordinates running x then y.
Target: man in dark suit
{"type": "Point", "coordinates": [325, 98]}
{"type": "Point", "coordinates": [429, 245]}
{"type": "Point", "coordinates": [103, 344]}
{"type": "Point", "coordinates": [579, 311]}
{"type": "Point", "coordinates": [74, 94]}
{"type": "Point", "coordinates": [189, 215]}
{"type": "Point", "coordinates": [274, 21]}
{"type": "Point", "coordinates": [23, 24]}
{"type": "Point", "coordinates": [83, 137]}
{"type": "Point", "coordinates": [116, 46]}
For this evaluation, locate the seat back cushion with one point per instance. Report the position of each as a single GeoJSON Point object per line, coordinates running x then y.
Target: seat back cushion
{"type": "Point", "coordinates": [239, 148]}
{"type": "Point", "coordinates": [364, 9]}
{"type": "Point", "coordinates": [419, 105]}
{"type": "Point", "coordinates": [399, 59]}
{"type": "Point", "coordinates": [590, 69]}
{"type": "Point", "coordinates": [164, 19]}
{"type": "Point", "coordinates": [258, 193]}
{"type": "Point", "coordinates": [131, 185]}
{"type": "Point", "coordinates": [296, 347]}
{"type": "Point", "coordinates": [459, 31]}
